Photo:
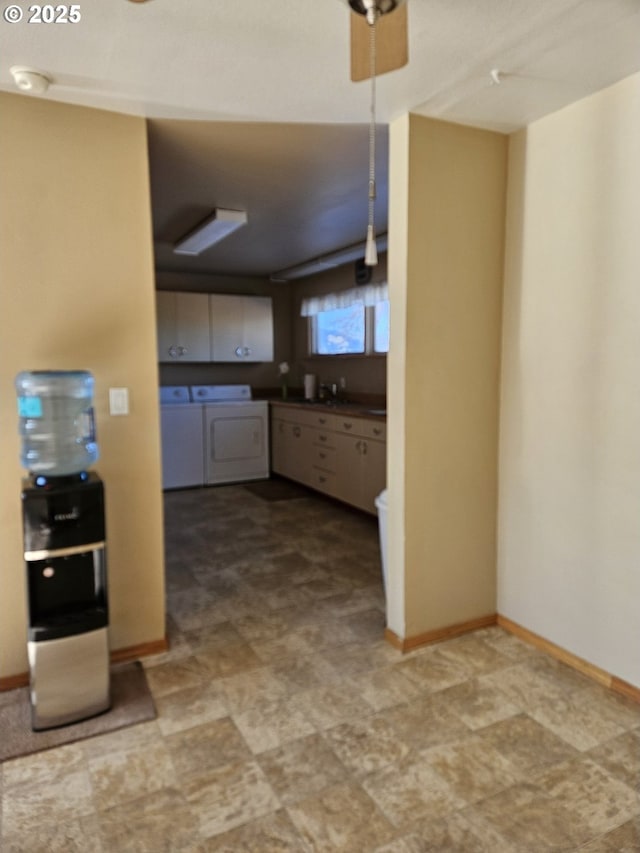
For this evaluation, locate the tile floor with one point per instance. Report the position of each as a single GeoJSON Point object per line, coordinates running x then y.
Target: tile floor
{"type": "Point", "coordinates": [286, 723]}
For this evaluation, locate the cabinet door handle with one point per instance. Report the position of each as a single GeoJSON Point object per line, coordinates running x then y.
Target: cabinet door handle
{"type": "Point", "coordinates": [247, 351]}
{"type": "Point", "coordinates": [182, 351]}
{"type": "Point", "coordinates": [239, 352]}
{"type": "Point", "coordinates": [173, 351]}
{"type": "Point", "coordinates": [358, 446]}
{"type": "Point", "coordinates": [364, 448]}
{"type": "Point", "coordinates": [297, 431]}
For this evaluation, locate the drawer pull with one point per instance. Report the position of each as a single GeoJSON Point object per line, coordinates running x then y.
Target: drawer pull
{"type": "Point", "coordinates": [347, 425]}
{"type": "Point", "coordinates": [377, 431]}
{"type": "Point", "coordinates": [322, 437]}
{"type": "Point", "coordinates": [297, 431]}
{"type": "Point", "coordinates": [322, 420]}
{"type": "Point", "coordinates": [322, 479]}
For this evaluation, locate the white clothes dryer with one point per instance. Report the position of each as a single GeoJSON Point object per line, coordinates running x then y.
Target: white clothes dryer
{"type": "Point", "coordinates": [236, 433]}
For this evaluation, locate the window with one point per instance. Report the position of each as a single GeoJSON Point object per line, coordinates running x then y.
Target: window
{"type": "Point", "coordinates": [381, 326]}
{"type": "Point", "coordinates": [339, 331]}
{"type": "Point", "coordinates": [350, 322]}
{"type": "Point", "coordinates": [351, 331]}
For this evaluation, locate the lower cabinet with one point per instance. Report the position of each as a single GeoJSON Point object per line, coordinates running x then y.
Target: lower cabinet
{"type": "Point", "coordinates": [324, 462]}
{"type": "Point", "coordinates": [361, 472]}
{"type": "Point", "coordinates": [289, 455]}
{"type": "Point", "coordinates": [341, 457]}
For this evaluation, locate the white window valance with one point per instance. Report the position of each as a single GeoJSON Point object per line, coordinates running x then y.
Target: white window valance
{"type": "Point", "coordinates": [366, 294]}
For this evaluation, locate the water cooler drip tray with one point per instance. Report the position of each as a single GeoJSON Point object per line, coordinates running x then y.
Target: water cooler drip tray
{"type": "Point", "coordinates": [66, 684]}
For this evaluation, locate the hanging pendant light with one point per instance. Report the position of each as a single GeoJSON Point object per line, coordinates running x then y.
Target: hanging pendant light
{"type": "Point", "coordinates": [371, 251]}
{"type": "Point", "coordinates": [371, 10]}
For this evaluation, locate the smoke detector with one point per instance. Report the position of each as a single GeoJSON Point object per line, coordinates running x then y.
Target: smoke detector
{"type": "Point", "coordinates": [29, 80]}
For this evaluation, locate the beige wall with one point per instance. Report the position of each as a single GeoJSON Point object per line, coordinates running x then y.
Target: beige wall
{"type": "Point", "coordinates": [569, 540]}
{"type": "Point", "coordinates": [77, 292]}
{"type": "Point", "coordinates": [399, 135]}
{"type": "Point", "coordinates": [447, 231]}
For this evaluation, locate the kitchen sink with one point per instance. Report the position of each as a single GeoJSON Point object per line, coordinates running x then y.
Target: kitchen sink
{"type": "Point", "coordinates": [356, 408]}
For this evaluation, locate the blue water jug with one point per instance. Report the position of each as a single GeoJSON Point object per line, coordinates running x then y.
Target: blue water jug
{"type": "Point", "coordinates": [57, 426]}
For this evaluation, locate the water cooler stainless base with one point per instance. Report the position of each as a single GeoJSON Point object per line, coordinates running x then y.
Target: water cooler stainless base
{"type": "Point", "coordinates": [69, 678]}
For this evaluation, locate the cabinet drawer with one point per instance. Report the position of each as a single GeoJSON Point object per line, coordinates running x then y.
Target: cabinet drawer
{"type": "Point", "coordinates": [324, 458]}
{"type": "Point", "coordinates": [324, 481]}
{"type": "Point", "coordinates": [323, 438]}
{"type": "Point", "coordinates": [322, 420]}
{"type": "Point", "coordinates": [362, 427]}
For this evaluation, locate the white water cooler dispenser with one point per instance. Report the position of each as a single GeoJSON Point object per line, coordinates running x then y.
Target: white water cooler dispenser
{"type": "Point", "coordinates": [64, 549]}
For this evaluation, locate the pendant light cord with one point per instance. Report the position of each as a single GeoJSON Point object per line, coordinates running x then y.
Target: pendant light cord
{"type": "Point", "coordinates": [372, 140]}
{"type": "Point", "coordinates": [372, 124]}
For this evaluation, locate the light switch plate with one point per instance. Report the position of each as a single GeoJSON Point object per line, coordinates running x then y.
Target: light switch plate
{"type": "Point", "coordinates": [118, 401]}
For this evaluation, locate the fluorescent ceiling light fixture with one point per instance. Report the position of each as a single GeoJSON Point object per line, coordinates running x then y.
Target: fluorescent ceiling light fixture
{"type": "Point", "coordinates": [211, 231]}
{"type": "Point", "coordinates": [329, 261]}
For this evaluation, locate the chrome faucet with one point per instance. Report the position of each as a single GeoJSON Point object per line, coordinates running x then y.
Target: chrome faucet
{"type": "Point", "coordinates": [331, 390]}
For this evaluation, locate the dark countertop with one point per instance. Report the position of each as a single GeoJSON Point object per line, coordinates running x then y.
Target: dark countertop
{"type": "Point", "coordinates": [343, 407]}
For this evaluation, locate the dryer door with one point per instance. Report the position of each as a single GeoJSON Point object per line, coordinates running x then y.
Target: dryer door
{"type": "Point", "coordinates": [237, 442]}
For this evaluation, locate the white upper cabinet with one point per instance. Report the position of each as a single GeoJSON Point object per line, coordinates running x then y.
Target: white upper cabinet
{"type": "Point", "coordinates": [213, 327]}
{"type": "Point", "coordinates": [183, 326]}
{"type": "Point", "coordinates": [241, 328]}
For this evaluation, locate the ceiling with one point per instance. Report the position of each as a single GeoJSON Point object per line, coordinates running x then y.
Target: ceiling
{"type": "Point", "coordinates": [252, 107]}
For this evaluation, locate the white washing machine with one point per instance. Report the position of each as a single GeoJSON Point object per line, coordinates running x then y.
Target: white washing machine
{"type": "Point", "coordinates": [182, 438]}
{"type": "Point", "coordinates": [236, 433]}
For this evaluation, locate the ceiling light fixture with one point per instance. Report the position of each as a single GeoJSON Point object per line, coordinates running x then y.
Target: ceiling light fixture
{"type": "Point", "coordinates": [327, 262]}
{"type": "Point", "coordinates": [209, 232]}
{"type": "Point", "coordinates": [29, 80]}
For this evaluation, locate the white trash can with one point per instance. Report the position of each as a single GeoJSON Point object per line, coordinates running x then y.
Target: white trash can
{"type": "Point", "coordinates": [381, 506]}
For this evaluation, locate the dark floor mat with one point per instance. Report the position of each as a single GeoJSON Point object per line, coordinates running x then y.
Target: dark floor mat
{"type": "Point", "coordinates": [277, 490]}
{"type": "Point", "coordinates": [131, 702]}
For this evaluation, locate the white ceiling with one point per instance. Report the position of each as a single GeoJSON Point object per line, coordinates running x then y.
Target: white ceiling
{"type": "Point", "coordinates": [287, 62]}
